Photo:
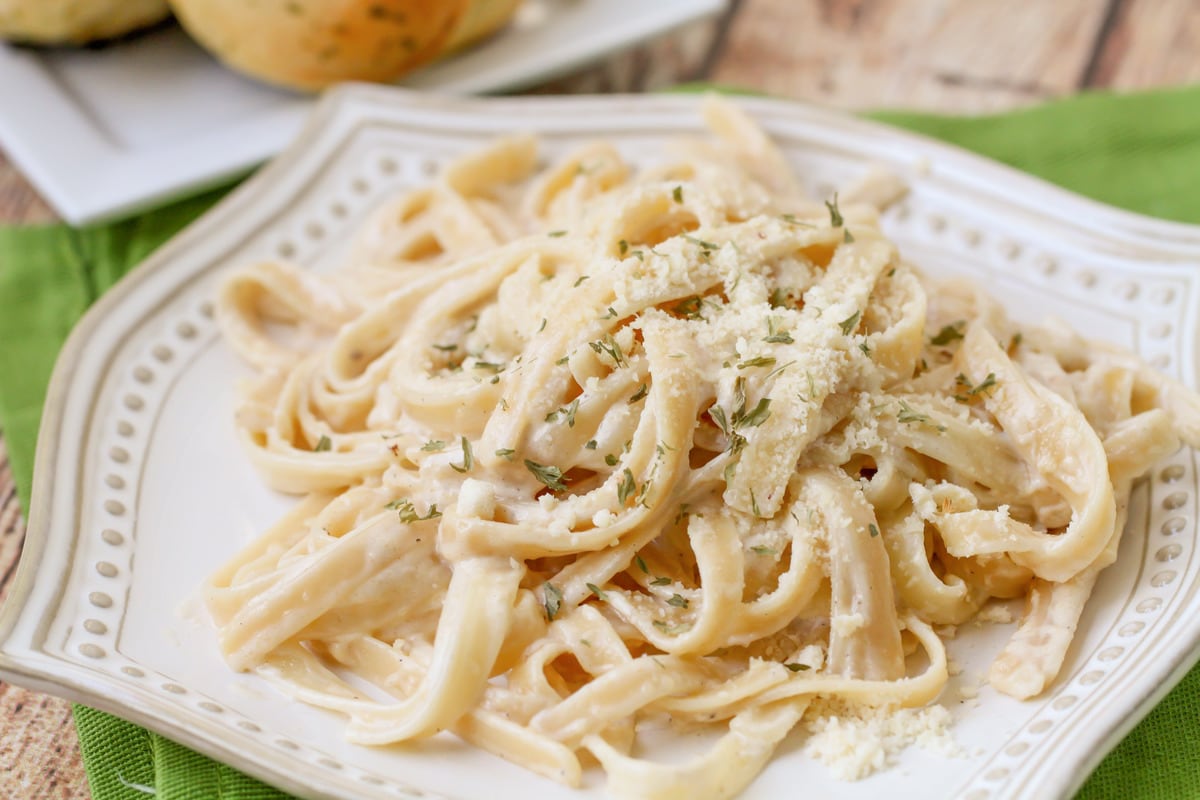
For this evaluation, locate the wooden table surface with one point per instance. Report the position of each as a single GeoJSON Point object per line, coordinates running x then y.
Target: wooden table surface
{"type": "Point", "coordinates": [957, 56]}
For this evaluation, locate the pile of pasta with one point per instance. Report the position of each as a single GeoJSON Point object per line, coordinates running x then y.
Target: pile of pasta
{"type": "Point", "coordinates": [583, 447]}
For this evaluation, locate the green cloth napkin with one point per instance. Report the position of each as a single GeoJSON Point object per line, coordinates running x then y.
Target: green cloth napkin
{"type": "Point", "coordinates": [1138, 151]}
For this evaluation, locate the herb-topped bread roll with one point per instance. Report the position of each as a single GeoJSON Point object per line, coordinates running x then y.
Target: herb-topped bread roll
{"type": "Point", "coordinates": [310, 44]}
{"type": "Point", "coordinates": [76, 21]}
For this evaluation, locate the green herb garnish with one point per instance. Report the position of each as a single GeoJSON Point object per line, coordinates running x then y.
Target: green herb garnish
{"type": "Point", "coordinates": [567, 413]}
{"type": "Point", "coordinates": [850, 323]}
{"type": "Point", "coordinates": [468, 457]}
{"type": "Point", "coordinates": [774, 336]}
{"type": "Point", "coordinates": [551, 476]}
{"type": "Point", "coordinates": [627, 487]}
{"type": "Point", "coordinates": [552, 599]}
{"type": "Point", "coordinates": [609, 346]}
{"type": "Point", "coordinates": [948, 333]}
{"type": "Point", "coordinates": [835, 214]}
{"type": "Point", "coordinates": [408, 513]}
{"type": "Point", "coordinates": [757, 361]}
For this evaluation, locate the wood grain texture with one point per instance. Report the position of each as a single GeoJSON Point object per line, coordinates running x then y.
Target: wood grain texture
{"type": "Point", "coordinates": [953, 56]}
{"type": "Point", "coordinates": [1150, 43]}
{"type": "Point", "coordinates": [39, 751]}
{"type": "Point", "coordinates": [948, 55]}
{"type": "Point", "coordinates": [18, 201]}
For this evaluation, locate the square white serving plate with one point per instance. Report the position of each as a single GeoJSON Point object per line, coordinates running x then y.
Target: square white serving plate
{"type": "Point", "coordinates": [141, 489]}
{"type": "Point", "coordinates": [102, 132]}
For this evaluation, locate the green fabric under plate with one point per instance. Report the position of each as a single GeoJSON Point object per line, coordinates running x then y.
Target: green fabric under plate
{"type": "Point", "coordinates": [1140, 151]}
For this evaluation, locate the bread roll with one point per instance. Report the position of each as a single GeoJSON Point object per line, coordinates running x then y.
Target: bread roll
{"type": "Point", "coordinates": [76, 21]}
{"type": "Point", "coordinates": [310, 44]}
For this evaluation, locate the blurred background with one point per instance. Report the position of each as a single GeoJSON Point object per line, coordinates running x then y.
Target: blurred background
{"type": "Point", "coordinates": [949, 56]}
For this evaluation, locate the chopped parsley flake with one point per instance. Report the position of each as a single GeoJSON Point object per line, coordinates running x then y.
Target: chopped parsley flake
{"type": "Point", "coordinates": [689, 307]}
{"type": "Point", "coordinates": [948, 333]}
{"type": "Point", "coordinates": [567, 413]}
{"type": "Point", "coordinates": [627, 487]}
{"type": "Point", "coordinates": [874, 531]}
{"type": "Point", "coordinates": [703, 245]}
{"type": "Point", "coordinates": [794, 667]}
{"type": "Point", "coordinates": [641, 564]}
{"type": "Point", "coordinates": [556, 234]}
{"type": "Point", "coordinates": [850, 323]}
{"type": "Point", "coordinates": [505, 452]}
{"type": "Point", "coordinates": [757, 361]}
{"type": "Point", "coordinates": [552, 599]}
{"type": "Point", "coordinates": [756, 416]}
{"type": "Point", "coordinates": [324, 445]}
{"type": "Point", "coordinates": [446, 348]}
{"type": "Point", "coordinates": [677, 193]}
{"type": "Point", "coordinates": [640, 394]}
{"type": "Point", "coordinates": [433, 446]}
{"type": "Point", "coordinates": [985, 386]}
{"type": "Point", "coordinates": [717, 414]}
{"type": "Point", "coordinates": [468, 457]}
{"type": "Point", "coordinates": [551, 476]}
{"type": "Point", "coordinates": [763, 550]}
{"type": "Point", "coordinates": [791, 220]}
{"type": "Point", "coordinates": [591, 444]}
{"type": "Point", "coordinates": [408, 513]}
{"type": "Point", "coordinates": [661, 581]}
{"type": "Point", "coordinates": [678, 600]}
{"type": "Point", "coordinates": [773, 334]}
{"type": "Point", "coordinates": [609, 346]}
{"type": "Point", "coordinates": [835, 214]}
{"type": "Point", "coordinates": [909, 415]}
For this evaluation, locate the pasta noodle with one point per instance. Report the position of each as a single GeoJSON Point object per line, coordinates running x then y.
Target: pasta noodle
{"type": "Point", "coordinates": [583, 447]}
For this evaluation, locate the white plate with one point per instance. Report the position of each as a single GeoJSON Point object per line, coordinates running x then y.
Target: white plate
{"type": "Point", "coordinates": [141, 489]}
{"type": "Point", "coordinates": [103, 132]}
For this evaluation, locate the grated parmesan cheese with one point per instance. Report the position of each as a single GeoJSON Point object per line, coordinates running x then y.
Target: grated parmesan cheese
{"type": "Point", "coordinates": [856, 743]}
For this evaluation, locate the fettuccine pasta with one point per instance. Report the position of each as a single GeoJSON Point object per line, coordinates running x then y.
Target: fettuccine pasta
{"type": "Point", "coordinates": [586, 446]}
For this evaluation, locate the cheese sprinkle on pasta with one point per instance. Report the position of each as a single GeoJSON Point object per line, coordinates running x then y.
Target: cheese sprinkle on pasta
{"type": "Point", "coordinates": [585, 446]}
